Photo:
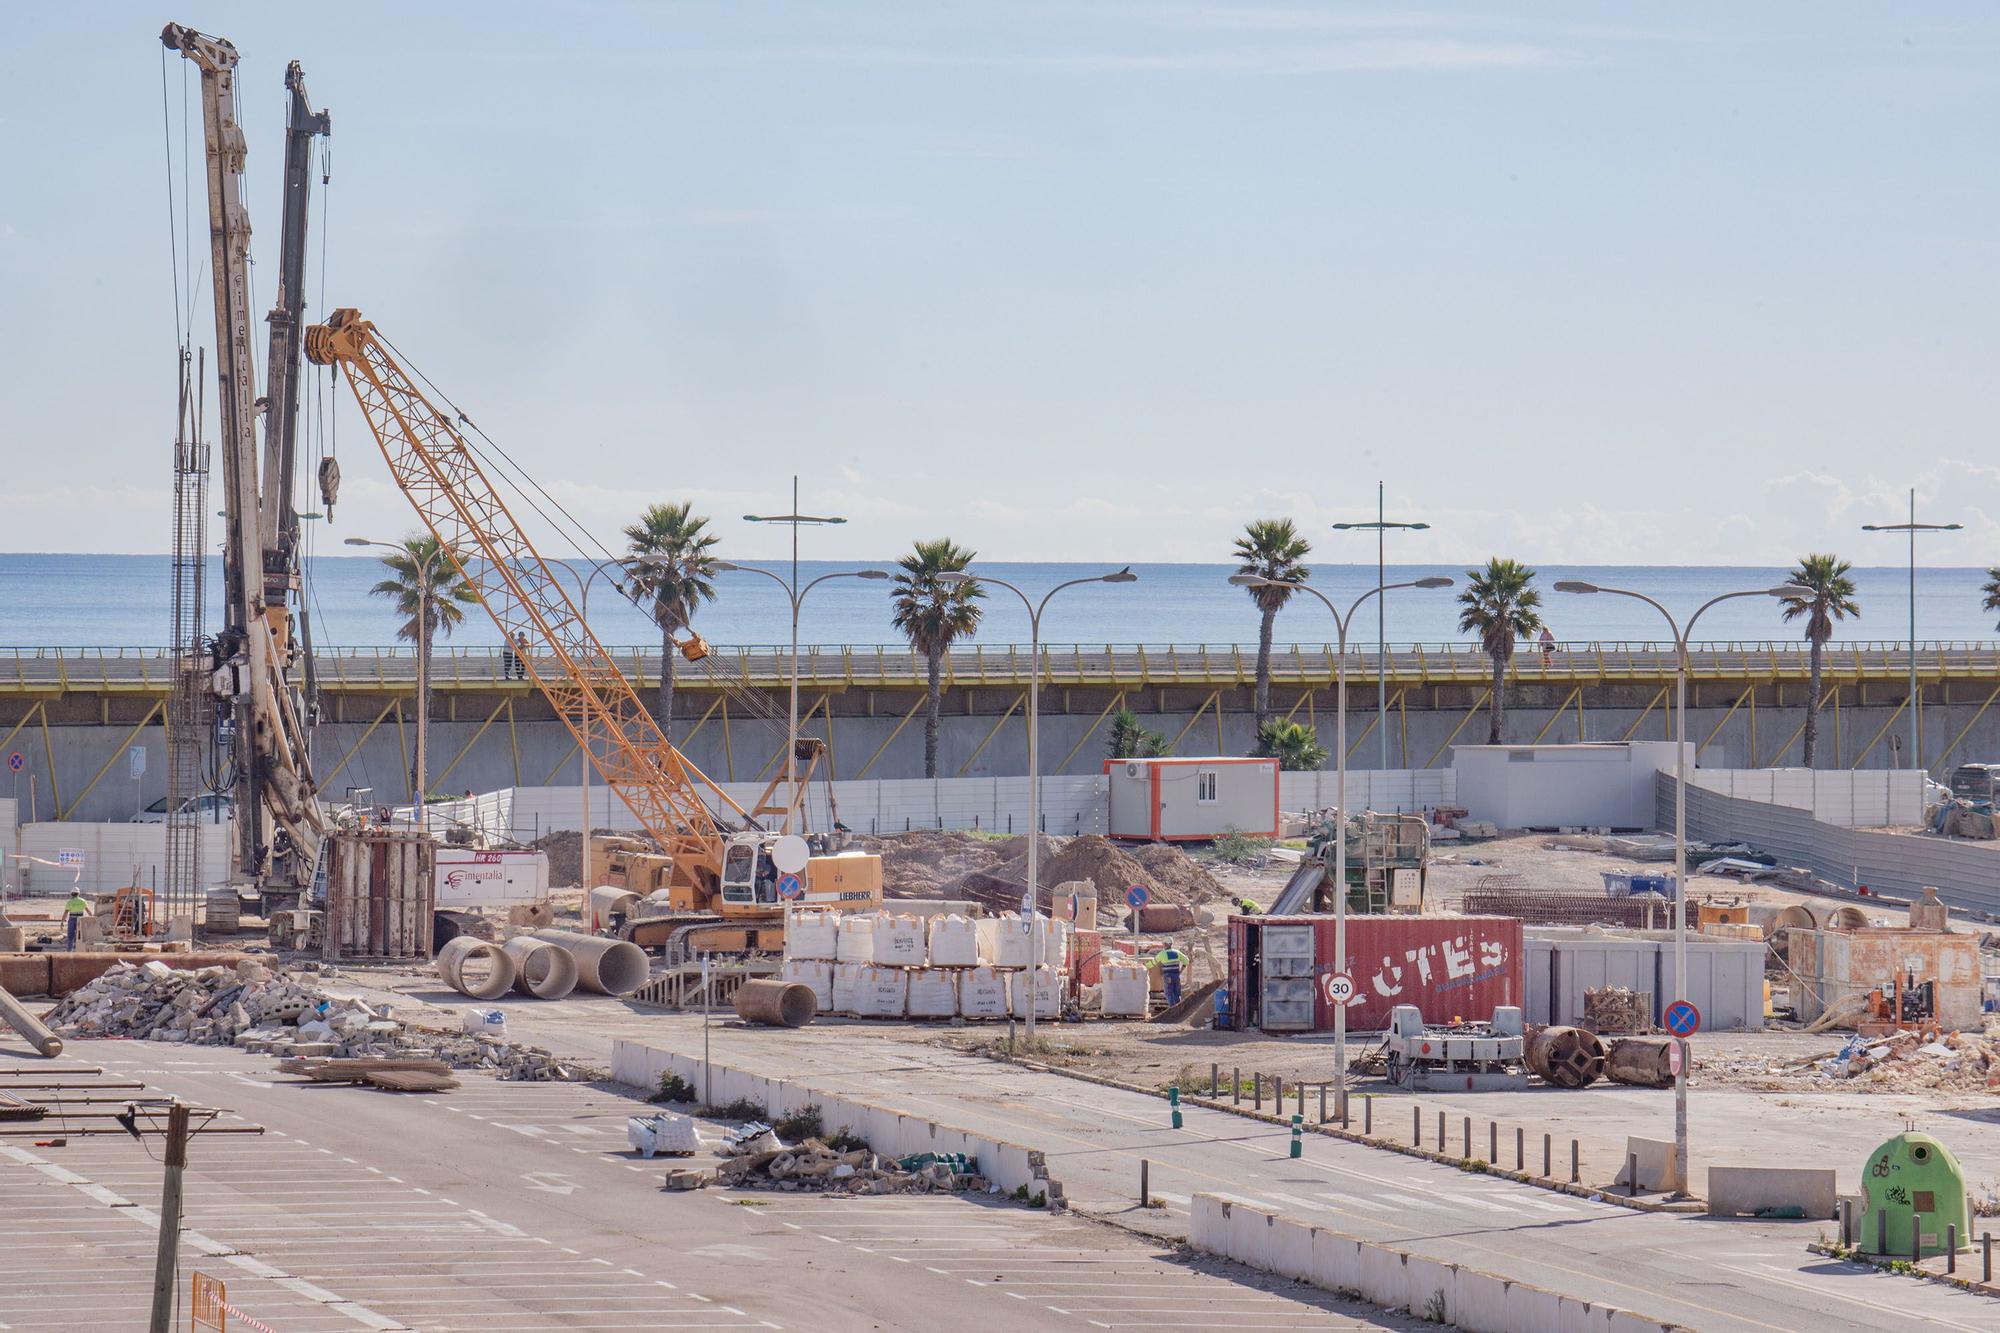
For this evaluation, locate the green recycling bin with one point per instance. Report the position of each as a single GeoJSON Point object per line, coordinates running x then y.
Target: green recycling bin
{"type": "Point", "coordinates": [1915, 1189]}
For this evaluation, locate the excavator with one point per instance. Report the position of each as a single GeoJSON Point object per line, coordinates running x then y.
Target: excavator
{"type": "Point", "coordinates": [719, 882]}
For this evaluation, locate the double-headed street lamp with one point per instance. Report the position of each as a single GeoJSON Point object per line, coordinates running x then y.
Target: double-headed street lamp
{"type": "Point", "coordinates": [953, 578]}
{"type": "Point", "coordinates": [426, 571]}
{"type": "Point", "coordinates": [1380, 527]}
{"type": "Point", "coordinates": [1913, 528]}
{"type": "Point", "coordinates": [1681, 1169]}
{"type": "Point", "coordinates": [1340, 624]}
{"type": "Point", "coordinates": [796, 596]}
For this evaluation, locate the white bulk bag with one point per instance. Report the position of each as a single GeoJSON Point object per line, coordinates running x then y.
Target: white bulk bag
{"type": "Point", "coordinates": [1126, 988]}
{"type": "Point", "coordinates": [1011, 947]}
{"type": "Point", "coordinates": [933, 992]}
{"type": "Point", "coordinates": [954, 942]}
{"type": "Point", "coordinates": [884, 991]}
{"type": "Point", "coordinates": [1047, 983]}
{"type": "Point", "coordinates": [899, 941]}
{"type": "Point", "coordinates": [813, 935]}
{"type": "Point", "coordinates": [847, 982]}
{"type": "Point", "coordinates": [857, 938]}
{"type": "Point", "coordinates": [982, 993]}
{"type": "Point", "coordinates": [814, 973]}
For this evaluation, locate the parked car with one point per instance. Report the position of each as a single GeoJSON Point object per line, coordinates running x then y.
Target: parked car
{"type": "Point", "coordinates": [210, 806]}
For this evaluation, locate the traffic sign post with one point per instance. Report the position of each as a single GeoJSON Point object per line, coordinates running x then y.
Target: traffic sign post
{"type": "Point", "coordinates": [1682, 1018]}
{"type": "Point", "coordinates": [16, 760]}
{"type": "Point", "coordinates": [1136, 898]}
{"type": "Point", "coordinates": [1338, 987]}
{"type": "Point", "coordinates": [791, 887]}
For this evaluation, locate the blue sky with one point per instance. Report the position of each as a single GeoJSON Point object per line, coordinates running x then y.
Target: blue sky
{"type": "Point", "coordinates": [1669, 283]}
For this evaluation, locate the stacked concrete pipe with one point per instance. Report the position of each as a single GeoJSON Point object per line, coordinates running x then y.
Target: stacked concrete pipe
{"type": "Point", "coordinates": [609, 967]}
{"type": "Point", "coordinates": [541, 969]}
{"type": "Point", "coordinates": [463, 949]}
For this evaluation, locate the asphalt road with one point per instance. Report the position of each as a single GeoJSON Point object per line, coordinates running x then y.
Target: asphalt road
{"type": "Point", "coordinates": [1747, 1276]}
{"type": "Point", "coordinates": [508, 1208]}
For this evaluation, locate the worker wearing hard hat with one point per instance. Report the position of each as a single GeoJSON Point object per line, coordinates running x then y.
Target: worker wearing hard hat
{"type": "Point", "coordinates": [74, 911]}
{"type": "Point", "coordinates": [1171, 961]}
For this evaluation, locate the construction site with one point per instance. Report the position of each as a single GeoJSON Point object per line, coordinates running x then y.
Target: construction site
{"type": "Point", "coordinates": [666, 1023]}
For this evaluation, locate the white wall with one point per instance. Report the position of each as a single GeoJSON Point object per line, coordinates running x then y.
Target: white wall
{"type": "Point", "coordinates": [1608, 785]}
{"type": "Point", "coordinates": [114, 855]}
{"type": "Point", "coordinates": [1391, 791]}
{"type": "Point", "coordinates": [1850, 798]}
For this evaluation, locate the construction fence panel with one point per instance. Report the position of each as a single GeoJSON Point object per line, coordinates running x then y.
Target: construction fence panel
{"type": "Point", "coordinates": [51, 858]}
{"type": "Point", "coordinates": [1851, 798]}
{"type": "Point", "coordinates": [1965, 874]}
{"type": "Point", "coordinates": [1398, 790]}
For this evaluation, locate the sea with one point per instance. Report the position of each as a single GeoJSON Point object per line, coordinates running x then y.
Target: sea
{"type": "Point", "coordinates": [122, 601]}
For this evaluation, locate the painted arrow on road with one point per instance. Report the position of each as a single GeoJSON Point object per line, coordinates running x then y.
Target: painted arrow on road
{"type": "Point", "coordinates": [549, 1182]}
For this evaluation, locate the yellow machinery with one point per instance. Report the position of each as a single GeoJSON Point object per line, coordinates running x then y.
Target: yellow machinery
{"type": "Point", "coordinates": [720, 881]}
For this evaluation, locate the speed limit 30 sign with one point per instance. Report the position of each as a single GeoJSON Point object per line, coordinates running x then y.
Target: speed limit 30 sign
{"type": "Point", "coordinates": [1338, 987]}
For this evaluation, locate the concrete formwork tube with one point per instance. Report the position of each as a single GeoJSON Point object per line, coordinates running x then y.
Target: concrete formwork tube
{"type": "Point", "coordinates": [1643, 1062]}
{"type": "Point", "coordinates": [785, 1004]}
{"type": "Point", "coordinates": [1567, 1057]}
{"type": "Point", "coordinates": [475, 967]}
{"type": "Point", "coordinates": [25, 1023]}
{"type": "Point", "coordinates": [543, 970]}
{"type": "Point", "coordinates": [1845, 918]}
{"type": "Point", "coordinates": [609, 967]}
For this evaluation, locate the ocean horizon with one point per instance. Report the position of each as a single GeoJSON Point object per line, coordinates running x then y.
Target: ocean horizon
{"type": "Point", "coordinates": [122, 601]}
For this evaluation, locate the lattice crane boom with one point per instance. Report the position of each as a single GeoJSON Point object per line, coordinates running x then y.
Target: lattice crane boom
{"type": "Point", "coordinates": [432, 463]}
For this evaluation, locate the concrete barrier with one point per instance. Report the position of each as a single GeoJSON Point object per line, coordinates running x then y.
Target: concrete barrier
{"type": "Point", "coordinates": [1655, 1158]}
{"type": "Point", "coordinates": [1735, 1190]}
{"type": "Point", "coordinates": [1384, 1275]}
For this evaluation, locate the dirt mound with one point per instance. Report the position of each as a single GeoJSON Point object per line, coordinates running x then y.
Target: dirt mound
{"type": "Point", "coordinates": [1178, 875]}
{"type": "Point", "coordinates": [920, 863]}
{"type": "Point", "coordinates": [565, 849]}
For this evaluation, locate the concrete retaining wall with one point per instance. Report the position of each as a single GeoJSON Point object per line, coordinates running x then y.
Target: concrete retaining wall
{"type": "Point", "coordinates": [1850, 798]}
{"type": "Point", "coordinates": [1387, 1276]}
{"type": "Point", "coordinates": [1735, 1190]}
{"type": "Point", "coordinates": [888, 1131]}
{"type": "Point", "coordinates": [114, 855]}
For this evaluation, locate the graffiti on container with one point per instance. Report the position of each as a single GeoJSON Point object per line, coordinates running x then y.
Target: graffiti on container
{"type": "Point", "coordinates": [1444, 966]}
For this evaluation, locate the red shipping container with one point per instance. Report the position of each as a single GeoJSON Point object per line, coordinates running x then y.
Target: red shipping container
{"type": "Point", "coordinates": [1450, 967]}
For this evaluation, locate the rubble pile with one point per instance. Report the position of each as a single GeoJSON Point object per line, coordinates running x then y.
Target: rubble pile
{"type": "Point", "coordinates": [282, 1013]}
{"type": "Point", "coordinates": [753, 1157]}
{"type": "Point", "coordinates": [1903, 1061]}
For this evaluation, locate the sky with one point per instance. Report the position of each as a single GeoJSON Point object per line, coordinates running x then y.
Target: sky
{"type": "Point", "coordinates": [1636, 284]}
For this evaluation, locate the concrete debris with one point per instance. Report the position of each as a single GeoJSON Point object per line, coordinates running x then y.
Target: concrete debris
{"type": "Point", "coordinates": [1903, 1061]}
{"type": "Point", "coordinates": [376, 1071]}
{"type": "Point", "coordinates": [759, 1161]}
{"type": "Point", "coordinates": [284, 1014]}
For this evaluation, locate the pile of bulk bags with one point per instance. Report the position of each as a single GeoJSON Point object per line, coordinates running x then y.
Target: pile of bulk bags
{"type": "Point", "coordinates": [896, 965]}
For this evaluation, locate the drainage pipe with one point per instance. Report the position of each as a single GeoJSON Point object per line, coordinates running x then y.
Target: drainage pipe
{"type": "Point", "coordinates": [543, 970]}
{"type": "Point", "coordinates": [609, 967]}
{"type": "Point", "coordinates": [784, 1004]}
{"type": "Point", "coordinates": [494, 982]}
{"type": "Point", "coordinates": [25, 1023]}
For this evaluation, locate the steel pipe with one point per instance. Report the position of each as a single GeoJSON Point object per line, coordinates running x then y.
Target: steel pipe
{"type": "Point", "coordinates": [784, 1004]}
{"type": "Point", "coordinates": [541, 969]}
{"type": "Point", "coordinates": [495, 982]}
{"type": "Point", "coordinates": [1567, 1057]}
{"type": "Point", "coordinates": [25, 1023]}
{"type": "Point", "coordinates": [609, 967]}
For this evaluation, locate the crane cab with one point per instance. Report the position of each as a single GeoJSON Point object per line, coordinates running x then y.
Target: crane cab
{"type": "Point", "coordinates": [749, 878]}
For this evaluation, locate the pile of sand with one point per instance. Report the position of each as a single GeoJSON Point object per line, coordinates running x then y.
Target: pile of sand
{"type": "Point", "coordinates": [565, 849]}
{"type": "Point", "coordinates": [1178, 876]}
{"type": "Point", "coordinates": [919, 864]}
{"type": "Point", "coordinates": [1167, 872]}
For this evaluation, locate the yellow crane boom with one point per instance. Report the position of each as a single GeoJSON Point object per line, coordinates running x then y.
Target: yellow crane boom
{"type": "Point", "coordinates": [432, 463]}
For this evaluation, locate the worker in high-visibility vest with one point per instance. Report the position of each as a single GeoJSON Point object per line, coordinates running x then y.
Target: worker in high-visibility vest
{"type": "Point", "coordinates": [1246, 907]}
{"type": "Point", "coordinates": [74, 911]}
{"type": "Point", "coordinates": [1171, 960]}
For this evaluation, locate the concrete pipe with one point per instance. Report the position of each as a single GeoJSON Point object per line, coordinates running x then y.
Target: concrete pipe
{"type": "Point", "coordinates": [543, 970]}
{"type": "Point", "coordinates": [1845, 918]}
{"type": "Point", "coordinates": [25, 1023]}
{"type": "Point", "coordinates": [784, 1004]}
{"type": "Point", "coordinates": [609, 967]}
{"type": "Point", "coordinates": [1643, 1062]}
{"type": "Point", "coordinates": [1797, 916]}
{"type": "Point", "coordinates": [475, 967]}
{"type": "Point", "coordinates": [1566, 1057]}
{"type": "Point", "coordinates": [605, 901]}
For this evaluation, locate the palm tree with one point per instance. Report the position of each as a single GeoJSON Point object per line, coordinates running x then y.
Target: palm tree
{"type": "Point", "coordinates": [1992, 590]}
{"type": "Point", "coordinates": [430, 594]}
{"type": "Point", "coordinates": [670, 564]}
{"type": "Point", "coordinates": [1292, 744]}
{"type": "Point", "coordinates": [1500, 605]}
{"type": "Point", "coordinates": [1832, 599]}
{"type": "Point", "coordinates": [1270, 548]}
{"type": "Point", "coordinates": [934, 614]}
{"type": "Point", "coordinates": [1130, 739]}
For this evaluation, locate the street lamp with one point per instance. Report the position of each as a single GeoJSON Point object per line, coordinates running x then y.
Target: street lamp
{"type": "Point", "coordinates": [426, 571]}
{"type": "Point", "coordinates": [953, 578]}
{"type": "Point", "coordinates": [795, 595]}
{"type": "Point", "coordinates": [1381, 527]}
{"type": "Point", "coordinates": [1681, 634]}
{"type": "Point", "coordinates": [794, 520]}
{"type": "Point", "coordinates": [1340, 624]}
{"type": "Point", "coordinates": [1913, 528]}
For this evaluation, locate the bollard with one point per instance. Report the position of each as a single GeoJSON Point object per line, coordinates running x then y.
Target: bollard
{"type": "Point", "coordinates": [1440, 1131]}
{"type": "Point", "coordinates": [1881, 1232]}
{"type": "Point", "coordinates": [1986, 1257]}
{"type": "Point", "coordinates": [1844, 1210]}
{"type": "Point", "coordinates": [1520, 1149]}
{"type": "Point", "coordinates": [1145, 1183]}
{"type": "Point", "coordinates": [1302, 1102]}
{"type": "Point", "coordinates": [1298, 1136]}
{"type": "Point", "coordinates": [1575, 1166]}
{"type": "Point", "coordinates": [1417, 1126]}
{"type": "Point", "coordinates": [1916, 1238]}
{"type": "Point", "coordinates": [1214, 1081]}
{"type": "Point", "coordinates": [1236, 1084]}
{"type": "Point", "coordinates": [1322, 1105]}
{"type": "Point", "coordinates": [1367, 1115]}
{"type": "Point", "coordinates": [1632, 1174]}
{"type": "Point", "coordinates": [1278, 1093]}
{"type": "Point", "coordinates": [1174, 1101]}
{"type": "Point", "coordinates": [1493, 1142]}
{"type": "Point", "coordinates": [1256, 1091]}
{"type": "Point", "coordinates": [1468, 1138]}
{"type": "Point", "coordinates": [1951, 1247]}
{"type": "Point", "coordinates": [1547, 1142]}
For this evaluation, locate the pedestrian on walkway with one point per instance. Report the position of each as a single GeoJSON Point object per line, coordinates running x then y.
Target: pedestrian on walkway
{"type": "Point", "coordinates": [1171, 960]}
{"type": "Point", "coordinates": [1548, 646]}
{"type": "Point", "coordinates": [74, 911]}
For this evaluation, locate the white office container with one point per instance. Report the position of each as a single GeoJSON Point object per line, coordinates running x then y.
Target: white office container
{"type": "Point", "coordinates": [1047, 984]}
{"type": "Point", "coordinates": [982, 993]}
{"type": "Point", "coordinates": [1126, 988]}
{"type": "Point", "coordinates": [954, 942]}
{"type": "Point", "coordinates": [899, 941]}
{"type": "Point", "coordinates": [933, 992]}
{"type": "Point", "coordinates": [857, 938]}
{"type": "Point", "coordinates": [813, 935]}
{"type": "Point", "coordinates": [813, 972]}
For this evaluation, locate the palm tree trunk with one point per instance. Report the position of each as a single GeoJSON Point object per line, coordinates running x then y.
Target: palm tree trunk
{"type": "Point", "coordinates": [419, 759]}
{"type": "Point", "coordinates": [1263, 695]}
{"type": "Point", "coordinates": [1497, 711]}
{"type": "Point", "coordinates": [668, 670]}
{"type": "Point", "coordinates": [1812, 705]}
{"type": "Point", "coordinates": [933, 700]}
